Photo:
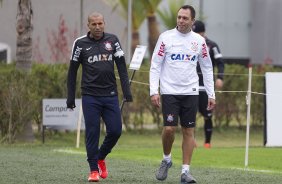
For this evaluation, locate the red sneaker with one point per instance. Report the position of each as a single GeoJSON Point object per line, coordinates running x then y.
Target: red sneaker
{"type": "Point", "coordinates": [93, 176]}
{"type": "Point", "coordinates": [102, 168]}
{"type": "Point", "coordinates": [207, 145]}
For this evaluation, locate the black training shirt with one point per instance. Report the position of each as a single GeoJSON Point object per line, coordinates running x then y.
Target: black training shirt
{"type": "Point", "coordinates": [216, 58]}
{"type": "Point", "coordinates": [97, 58]}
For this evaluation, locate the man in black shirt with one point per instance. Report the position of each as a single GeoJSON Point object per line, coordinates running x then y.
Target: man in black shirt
{"type": "Point", "coordinates": [97, 52]}
{"type": "Point", "coordinates": [216, 57]}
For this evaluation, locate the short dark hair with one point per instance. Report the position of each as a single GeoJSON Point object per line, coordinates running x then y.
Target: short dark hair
{"type": "Point", "coordinates": [192, 10]}
{"type": "Point", "coordinates": [198, 27]}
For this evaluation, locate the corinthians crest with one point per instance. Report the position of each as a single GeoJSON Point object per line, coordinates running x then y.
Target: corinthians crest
{"type": "Point", "coordinates": [194, 46]}
{"type": "Point", "coordinates": [108, 46]}
{"type": "Point", "coordinates": [169, 118]}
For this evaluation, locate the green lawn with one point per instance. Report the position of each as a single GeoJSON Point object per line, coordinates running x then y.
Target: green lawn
{"type": "Point", "coordinates": [137, 156]}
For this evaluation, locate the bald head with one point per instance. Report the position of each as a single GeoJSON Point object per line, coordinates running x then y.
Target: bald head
{"type": "Point", "coordinates": [95, 15]}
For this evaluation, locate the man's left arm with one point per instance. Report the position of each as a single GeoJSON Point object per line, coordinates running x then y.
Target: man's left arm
{"type": "Point", "coordinates": [122, 71]}
{"type": "Point", "coordinates": [207, 69]}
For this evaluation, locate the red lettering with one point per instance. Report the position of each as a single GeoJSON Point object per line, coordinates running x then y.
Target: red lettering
{"type": "Point", "coordinates": [204, 51]}
{"type": "Point", "coordinates": [161, 50]}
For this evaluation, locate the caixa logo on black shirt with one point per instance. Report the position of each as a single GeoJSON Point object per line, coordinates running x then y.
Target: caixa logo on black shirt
{"type": "Point", "coordinates": [100, 57]}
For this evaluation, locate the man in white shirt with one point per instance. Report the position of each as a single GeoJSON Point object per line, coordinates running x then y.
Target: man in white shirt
{"type": "Point", "coordinates": [173, 66]}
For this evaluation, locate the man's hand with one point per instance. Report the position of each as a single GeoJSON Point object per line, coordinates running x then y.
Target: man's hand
{"type": "Point", "coordinates": [211, 104]}
{"type": "Point", "coordinates": [128, 99]}
{"type": "Point", "coordinates": [156, 101]}
{"type": "Point", "coordinates": [70, 104]}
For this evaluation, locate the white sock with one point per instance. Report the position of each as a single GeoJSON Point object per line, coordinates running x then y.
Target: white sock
{"type": "Point", "coordinates": [185, 168]}
{"type": "Point", "coordinates": [167, 158]}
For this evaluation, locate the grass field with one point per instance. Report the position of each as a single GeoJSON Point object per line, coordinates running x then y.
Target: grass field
{"type": "Point", "coordinates": [136, 158]}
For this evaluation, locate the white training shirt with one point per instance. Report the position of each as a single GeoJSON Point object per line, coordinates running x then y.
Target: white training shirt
{"type": "Point", "coordinates": [174, 64]}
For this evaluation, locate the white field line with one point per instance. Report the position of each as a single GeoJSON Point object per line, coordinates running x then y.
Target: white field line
{"type": "Point", "coordinates": [69, 151]}
{"type": "Point", "coordinates": [256, 170]}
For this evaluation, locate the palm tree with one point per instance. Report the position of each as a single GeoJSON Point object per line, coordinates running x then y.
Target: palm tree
{"type": "Point", "coordinates": [24, 29]}
{"type": "Point", "coordinates": [168, 16]}
{"type": "Point", "coordinates": [138, 16]}
{"type": "Point", "coordinates": [153, 29]}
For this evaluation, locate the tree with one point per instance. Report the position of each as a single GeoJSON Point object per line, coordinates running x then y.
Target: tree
{"type": "Point", "coordinates": [153, 28]}
{"type": "Point", "coordinates": [141, 10]}
{"type": "Point", "coordinates": [169, 16]}
{"type": "Point", "coordinates": [58, 41]}
{"type": "Point", "coordinates": [138, 17]}
{"type": "Point", "coordinates": [24, 29]}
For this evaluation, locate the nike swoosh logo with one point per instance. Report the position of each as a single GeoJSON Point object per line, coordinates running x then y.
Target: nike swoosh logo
{"type": "Point", "coordinates": [88, 48]}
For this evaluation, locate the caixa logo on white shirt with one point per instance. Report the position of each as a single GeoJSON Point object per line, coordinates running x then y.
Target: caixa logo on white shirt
{"type": "Point", "coordinates": [183, 57]}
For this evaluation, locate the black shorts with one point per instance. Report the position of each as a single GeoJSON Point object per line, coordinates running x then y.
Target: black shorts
{"type": "Point", "coordinates": [203, 104]}
{"type": "Point", "coordinates": [183, 106]}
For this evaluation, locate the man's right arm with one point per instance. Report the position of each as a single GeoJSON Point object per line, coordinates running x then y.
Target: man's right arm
{"type": "Point", "coordinates": [218, 61]}
{"type": "Point", "coordinates": [71, 84]}
{"type": "Point", "coordinates": [156, 64]}
{"type": "Point", "coordinates": [220, 66]}
{"type": "Point", "coordinates": [72, 74]}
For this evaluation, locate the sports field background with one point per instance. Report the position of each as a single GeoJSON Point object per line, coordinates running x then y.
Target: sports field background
{"type": "Point", "coordinates": [137, 156]}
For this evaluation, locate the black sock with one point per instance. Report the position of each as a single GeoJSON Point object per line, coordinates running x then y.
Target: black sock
{"type": "Point", "coordinates": [208, 130]}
